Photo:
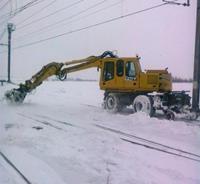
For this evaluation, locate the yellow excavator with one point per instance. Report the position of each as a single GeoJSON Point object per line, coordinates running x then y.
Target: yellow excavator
{"type": "Point", "coordinates": [124, 84]}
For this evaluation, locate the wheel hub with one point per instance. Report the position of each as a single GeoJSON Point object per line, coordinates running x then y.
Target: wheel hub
{"type": "Point", "coordinates": [110, 103]}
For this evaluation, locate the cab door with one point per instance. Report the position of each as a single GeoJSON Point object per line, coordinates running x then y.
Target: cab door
{"type": "Point", "coordinates": [119, 74]}
{"type": "Point", "coordinates": [108, 75]}
{"type": "Point", "coordinates": [131, 81]}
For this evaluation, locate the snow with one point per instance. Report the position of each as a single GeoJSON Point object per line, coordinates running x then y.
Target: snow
{"type": "Point", "coordinates": [71, 147]}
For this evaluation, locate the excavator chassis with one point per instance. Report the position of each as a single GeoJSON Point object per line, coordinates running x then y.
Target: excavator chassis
{"type": "Point", "coordinates": [174, 105]}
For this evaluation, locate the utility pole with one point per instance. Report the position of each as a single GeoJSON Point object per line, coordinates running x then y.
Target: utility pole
{"type": "Point", "coordinates": [10, 28]}
{"type": "Point", "coordinates": [196, 75]}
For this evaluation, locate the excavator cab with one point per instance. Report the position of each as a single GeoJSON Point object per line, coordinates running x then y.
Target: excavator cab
{"type": "Point", "coordinates": [125, 75]}
{"type": "Point", "coordinates": [120, 74]}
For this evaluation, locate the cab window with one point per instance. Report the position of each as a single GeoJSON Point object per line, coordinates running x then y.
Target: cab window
{"type": "Point", "coordinates": [130, 71]}
{"type": "Point", "coordinates": [108, 73]}
{"type": "Point", "coordinates": [120, 68]}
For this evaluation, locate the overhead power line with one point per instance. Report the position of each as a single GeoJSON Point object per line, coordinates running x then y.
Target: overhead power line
{"type": "Point", "coordinates": [28, 5]}
{"type": "Point", "coordinates": [4, 5]}
{"type": "Point", "coordinates": [6, 20]}
{"type": "Point", "coordinates": [46, 16]}
{"type": "Point", "coordinates": [13, 13]}
{"type": "Point", "coordinates": [72, 16]}
{"type": "Point", "coordinates": [92, 13]}
{"type": "Point", "coordinates": [2, 34]}
{"type": "Point", "coordinates": [91, 26]}
{"type": "Point", "coordinates": [69, 22]}
{"type": "Point", "coordinates": [187, 3]}
{"type": "Point", "coordinates": [63, 20]}
{"type": "Point", "coordinates": [37, 12]}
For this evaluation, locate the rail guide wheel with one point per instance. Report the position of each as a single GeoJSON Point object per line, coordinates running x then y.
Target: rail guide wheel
{"type": "Point", "coordinates": [170, 115]}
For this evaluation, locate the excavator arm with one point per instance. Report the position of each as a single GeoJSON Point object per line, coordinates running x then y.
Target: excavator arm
{"type": "Point", "coordinates": [17, 95]}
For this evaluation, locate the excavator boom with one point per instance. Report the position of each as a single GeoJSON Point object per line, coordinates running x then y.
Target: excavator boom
{"type": "Point", "coordinates": [18, 95]}
{"type": "Point", "coordinates": [59, 69]}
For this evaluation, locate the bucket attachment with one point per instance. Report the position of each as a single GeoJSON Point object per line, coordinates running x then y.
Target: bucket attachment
{"type": "Point", "coordinates": [15, 96]}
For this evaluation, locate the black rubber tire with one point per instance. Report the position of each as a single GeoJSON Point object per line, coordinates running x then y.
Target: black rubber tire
{"type": "Point", "coordinates": [112, 103]}
{"type": "Point", "coordinates": [143, 103]}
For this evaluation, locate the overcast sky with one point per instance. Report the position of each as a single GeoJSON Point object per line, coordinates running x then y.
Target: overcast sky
{"type": "Point", "coordinates": [163, 37]}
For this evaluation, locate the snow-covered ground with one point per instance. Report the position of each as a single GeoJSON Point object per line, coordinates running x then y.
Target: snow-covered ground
{"type": "Point", "coordinates": [61, 135]}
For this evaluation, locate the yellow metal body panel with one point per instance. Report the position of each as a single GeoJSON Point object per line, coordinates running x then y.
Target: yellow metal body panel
{"type": "Point", "coordinates": [149, 81]}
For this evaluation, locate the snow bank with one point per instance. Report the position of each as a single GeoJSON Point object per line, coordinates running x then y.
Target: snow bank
{"type": "Point", "coordinates": [70, 147]}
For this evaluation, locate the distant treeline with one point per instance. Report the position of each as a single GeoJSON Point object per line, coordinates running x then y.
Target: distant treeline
{"type": "Point", "coordinates": [174, 79]}
{"type": "Point", "coordinates": [179, 79]}
{"type": "Point", "coordinates": [70, 79]}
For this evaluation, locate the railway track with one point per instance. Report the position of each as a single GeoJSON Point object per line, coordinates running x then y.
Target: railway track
{"type": "Point", "coordinates": [55, 120]}
{"type": "Point", "coordinates": [152, 144]}
{"type": "Point", "coordinates": [130, 138]}
{"type": "Point", "coordinates": [46, 123]}
{"type": "Point", "coordinates": [8, 161]}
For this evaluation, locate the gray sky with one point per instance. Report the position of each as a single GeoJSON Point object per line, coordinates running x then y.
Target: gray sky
{"type": "Point", "coordinates": [163, 37]}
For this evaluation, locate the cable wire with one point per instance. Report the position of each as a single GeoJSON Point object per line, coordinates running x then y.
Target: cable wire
{"type": "Point", "coordinates": [6, 21]}
{"type": "Point", "coordinates": [46, 16]}
{"type": "Point", "coordinates": [28, 5]}
{"type": "Point", "coordinates": [91, 26]}
{"type": "Point", "coordinates": [19, 10]}
{"type": "Point", "coordinates": [4, 5]}
{"type": "Point", "coordinates": [63, 20]}
{"type": "Point", "coordinates": [72, 16]}
{"type": "Point", "coordinates": [76, 20]}
{"type": "Point", "coordinates": [2, 34]}
{"type": "Point", "coordinates": [37, 12]}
